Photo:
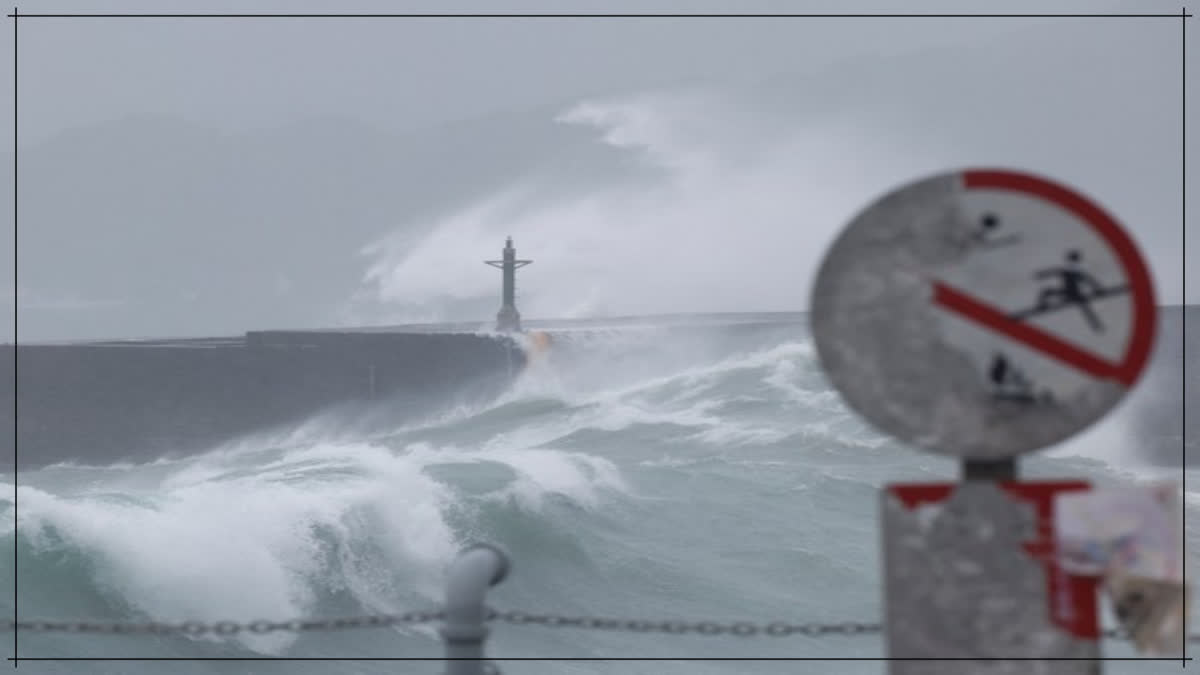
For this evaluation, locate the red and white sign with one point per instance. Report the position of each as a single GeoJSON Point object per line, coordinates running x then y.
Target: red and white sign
{"type": "Point", "coordinates": [1055, 288]}
{"type": "Point", "coordinates": [983, 313]}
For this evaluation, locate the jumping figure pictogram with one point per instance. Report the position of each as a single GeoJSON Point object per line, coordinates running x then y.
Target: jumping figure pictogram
{"type": "Point", "coordinates": [1076, 288]}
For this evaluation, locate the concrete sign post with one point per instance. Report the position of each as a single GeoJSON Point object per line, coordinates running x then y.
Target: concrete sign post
{"type": "Point", "coordinates": [983, 314]}
{"type": "Point", "coordinates": [971, 573]}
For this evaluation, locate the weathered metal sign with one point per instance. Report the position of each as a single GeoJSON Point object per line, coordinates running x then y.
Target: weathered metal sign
{"type": "Point", "coordinates": [983, 314]}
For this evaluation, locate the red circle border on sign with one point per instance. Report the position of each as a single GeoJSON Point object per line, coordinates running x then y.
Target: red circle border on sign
{"type": "Point", "coordinates": [1137, 353]}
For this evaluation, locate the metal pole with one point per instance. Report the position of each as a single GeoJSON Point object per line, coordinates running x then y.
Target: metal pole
{"type": "Point", "coordinates": [990, 469]}
{"type": "Point", "coordinates": [476, 569]}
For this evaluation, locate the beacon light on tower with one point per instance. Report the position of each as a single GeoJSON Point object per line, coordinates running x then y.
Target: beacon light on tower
{"type": "Point", "coordinates": [508, 320]}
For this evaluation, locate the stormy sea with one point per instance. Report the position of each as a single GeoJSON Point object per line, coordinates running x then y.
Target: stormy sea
{"type": "Point", "coordinates": [641, 472]}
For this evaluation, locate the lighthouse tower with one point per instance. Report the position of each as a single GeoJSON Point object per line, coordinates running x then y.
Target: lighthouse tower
{"type": "Point", "coordinates": [508, 320]}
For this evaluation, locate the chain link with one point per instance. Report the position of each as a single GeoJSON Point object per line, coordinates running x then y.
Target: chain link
{"type": "Point", "coordinates": [673, 627]}
{"type": "Point", "coordinates": [676, 627]}
{"type": "Point", "coordinates": [223, 628]}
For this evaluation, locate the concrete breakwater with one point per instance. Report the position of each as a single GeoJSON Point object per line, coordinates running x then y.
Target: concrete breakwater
{"type": "Point", "coordinates": [136, 400]}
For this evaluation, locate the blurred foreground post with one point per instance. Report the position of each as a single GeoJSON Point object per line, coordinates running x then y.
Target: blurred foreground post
{"type": "Point", "coordinates": [464, 632]}
{"type": "Point", "coordinates": [953, 320]}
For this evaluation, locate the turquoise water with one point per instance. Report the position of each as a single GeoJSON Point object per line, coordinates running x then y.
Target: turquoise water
{"type": "Point", "coordinates": [634, 473]}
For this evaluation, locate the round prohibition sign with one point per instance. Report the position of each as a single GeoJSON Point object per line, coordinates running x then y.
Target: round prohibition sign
{"type": "Point", "coordinates": [983, 313]}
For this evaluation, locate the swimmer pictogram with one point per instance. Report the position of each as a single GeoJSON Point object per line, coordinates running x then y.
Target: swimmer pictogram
{"type": "Point", "coordinates": [987, 236]}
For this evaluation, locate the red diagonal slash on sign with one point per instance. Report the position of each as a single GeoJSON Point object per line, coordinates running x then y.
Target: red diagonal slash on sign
{"type": "Point", "coordinates": [1031, 336]}
{"type": "Point", "coordinates": [1141, 338]}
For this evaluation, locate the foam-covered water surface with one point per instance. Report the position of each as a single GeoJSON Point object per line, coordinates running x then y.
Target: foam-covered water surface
{"type": "Point", "coordinates": [670, 472]}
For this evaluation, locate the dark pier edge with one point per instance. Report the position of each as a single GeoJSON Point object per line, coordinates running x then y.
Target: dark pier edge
{"type": "Point", "coordinates": [105, 402]}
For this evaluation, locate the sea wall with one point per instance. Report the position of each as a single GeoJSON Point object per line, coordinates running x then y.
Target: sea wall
{"type": "Point", "coordinates": [98, 403]}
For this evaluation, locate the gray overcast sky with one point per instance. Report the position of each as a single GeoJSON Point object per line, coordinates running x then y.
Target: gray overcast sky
{"type": "Point", "coordinates": [397, 73]}
{"type": "Point", "coordinates": [250, 78]}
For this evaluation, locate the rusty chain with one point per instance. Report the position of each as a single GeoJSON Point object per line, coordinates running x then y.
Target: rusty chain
{"type": "Point", "coordinates": [674, 627]}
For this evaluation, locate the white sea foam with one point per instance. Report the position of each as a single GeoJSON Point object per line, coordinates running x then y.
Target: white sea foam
{"type": "Point", "coordinates": [273, 530]}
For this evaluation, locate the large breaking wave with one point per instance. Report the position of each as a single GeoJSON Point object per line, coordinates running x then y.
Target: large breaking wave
{"type": "Point", "coordinates": [654, 471]}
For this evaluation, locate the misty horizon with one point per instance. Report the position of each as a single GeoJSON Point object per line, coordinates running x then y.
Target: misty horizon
{"type": "Point", "coordinates": [623, 183]}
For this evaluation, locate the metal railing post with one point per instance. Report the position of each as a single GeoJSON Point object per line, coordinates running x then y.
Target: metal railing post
{"type": "Point", "coordinates": [476, 569]}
